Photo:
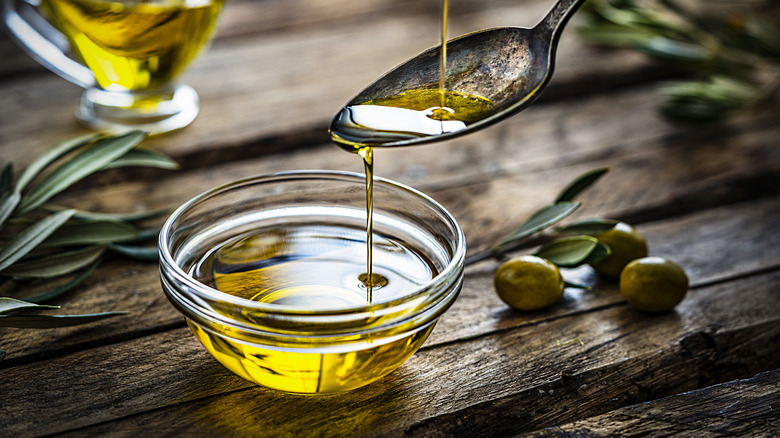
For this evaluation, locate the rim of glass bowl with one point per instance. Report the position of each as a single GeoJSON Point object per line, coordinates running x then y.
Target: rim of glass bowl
{"type": "Point", "coordinates": [209, 293]}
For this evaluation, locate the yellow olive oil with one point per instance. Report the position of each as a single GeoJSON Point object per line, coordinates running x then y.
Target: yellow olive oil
{"type": "Point", "coordinates": [310, 372]}
{"type": "Point", "coordinates": [445, 12]}
{"type": "Point", "coordinates": [312, 267]}
{"type": "Point", "coordinates": [466, 108]}
{"type": "Point", "coordinates": [369, 279]}
{"type": "Point", "coordinates": [135, 45]}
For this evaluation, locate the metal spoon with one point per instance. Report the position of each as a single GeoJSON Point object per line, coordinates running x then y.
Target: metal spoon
{"type": "Point", "coordinates": [509, 66]}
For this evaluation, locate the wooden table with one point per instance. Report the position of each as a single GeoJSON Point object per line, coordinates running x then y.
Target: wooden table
{"type": "Point", "coordinates": [706, 197]}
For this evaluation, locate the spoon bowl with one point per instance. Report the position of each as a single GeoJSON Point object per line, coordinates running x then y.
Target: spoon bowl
{"type": "Point", "coordinates": [507, 67]}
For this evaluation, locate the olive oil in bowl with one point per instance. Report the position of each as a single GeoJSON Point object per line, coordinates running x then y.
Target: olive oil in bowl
{"type": "Point", "coordinates": [268, 271]}
{"type": "Point", "coordinates": [312, 266]}
{"type": "Point", "coordinates": [316, 268]}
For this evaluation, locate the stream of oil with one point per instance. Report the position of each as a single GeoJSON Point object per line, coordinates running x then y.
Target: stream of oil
{"type": "Point", "coordinates": [370, 279]}
{"type": "Point", "coordinates": [419, 112]}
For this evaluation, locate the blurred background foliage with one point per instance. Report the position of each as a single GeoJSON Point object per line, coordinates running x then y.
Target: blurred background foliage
{"type": "Point", "coordinates": [730, 50]}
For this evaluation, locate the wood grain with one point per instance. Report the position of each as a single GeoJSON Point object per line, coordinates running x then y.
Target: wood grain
{"type": "Point", "coordinates": [135, 287]}
{"type": "Point", "coordinates": [505, 382]}
{"type": "Point", "coordinates": [744, 407]}
{"type": "Point", "coordinates": [706, 196]}
{"type": "Point", "coordinates": [527, 159]}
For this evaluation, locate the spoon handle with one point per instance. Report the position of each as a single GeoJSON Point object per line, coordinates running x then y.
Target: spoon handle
{"type": "Point", "coordinates": [552, 25]}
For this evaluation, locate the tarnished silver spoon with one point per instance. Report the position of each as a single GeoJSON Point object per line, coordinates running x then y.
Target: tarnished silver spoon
{"type": "Point", "coordinates": [503, 70]}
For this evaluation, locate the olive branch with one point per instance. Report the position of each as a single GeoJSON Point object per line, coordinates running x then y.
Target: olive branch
{"type": "Point", "coordinates": [567, 246]}
{"type": "Point", "coordinates": [39, 240]}
{"type": "Point", "coordinates": [730, 48]}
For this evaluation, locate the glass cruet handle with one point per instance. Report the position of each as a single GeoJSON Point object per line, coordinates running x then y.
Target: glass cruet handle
{"type": "Point", "coordinates": [553, 23]}
{"type": "Point", "coordinates": [43, 42]}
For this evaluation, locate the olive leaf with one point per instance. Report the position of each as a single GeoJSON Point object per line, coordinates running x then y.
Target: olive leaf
{"type": "Point", "coordinates": [7, 179]}
{"type": "Point", "coordinates": [62, 289]}
{"type": "Point", "coordinates": [580, 184]}
{"type": "Point", "coordinates": [28, 239]}
{"type": "Point", "coordinates": [9, 198]}
{"type": "Point", "coordinates": [141, 253]}
{"type": "Point", "coordinates": [121, 217]}
{"type": "Point", "coordinates": [732, 52]}
{"type": "Point", "coordinates": [144, 236]}
{"type": "Point", "coordinates": [91, 159]}
{"type": "Point", "coordinates": [67, 243]}
{"type": "Point", "coordinates": [570, 252]}
{"type": "Point", "coordinates": [601, 251]}
{"type": "Point", "coordinates": [8, 203]}
{"type": "Point", "coordinates": [544, 217]}
{"type": "Point", "coordinates": [716, 97]}
{"type": "Point", "coordinates": [615, 36]}
{"type": "Point", "coordinates": [91, 232]}
{"type": "Point", "coordinates": [143, 158]}
{"type": "Point", "coordinates": [674, 50]}
{"type": "Point", "coordinates": [8, 304]}
{"type": "Point", "coordinates": [572, 284]}
{"type": "Point", "coordinates": [53, 321]}
{"type": "Point", "coordinates": [540, 220]}
{"type": "Point", "coordinates": [56, 264]}
{"type": "Point", "coordinates": [587, 226]}
{"type": "Point", "coordinates": [52, 155]}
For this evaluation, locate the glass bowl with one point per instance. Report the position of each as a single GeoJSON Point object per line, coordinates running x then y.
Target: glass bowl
{"type": "Point", "coordinates": [265, 270]}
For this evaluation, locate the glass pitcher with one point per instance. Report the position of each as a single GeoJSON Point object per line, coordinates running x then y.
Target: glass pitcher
{"type": "Point", "coordinates": [126, 54]}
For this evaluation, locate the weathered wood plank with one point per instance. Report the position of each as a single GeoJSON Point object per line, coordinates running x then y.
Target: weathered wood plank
{"type": "Point", "coordinates": [486, 370]}
{"type": "Point", "coordinates": [560, 140]}
{"type": "Point", "coordinates": [740, 408]}
{"type": "Point", "coordinates": [696, 242]}
{"type": "Point", "coordinates": [657, 172]}
{"type": "Point", "coordinates": [530, 157]}
{"type": "Point", "coordinates": [135, 287]}
{"type": "Point", "coordinates": [508, 382]}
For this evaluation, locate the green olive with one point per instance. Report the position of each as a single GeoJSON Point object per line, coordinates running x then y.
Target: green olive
{"type": "Point", "coordinates": [625, 244]}
{"type": "Point", "coordinates": [653, 284]}
{"type": "Point", "coordinates": [528, 283]}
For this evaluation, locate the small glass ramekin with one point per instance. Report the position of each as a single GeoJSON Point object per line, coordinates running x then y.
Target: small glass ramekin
{"type": "Point", "coordinates": [305, 350]}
